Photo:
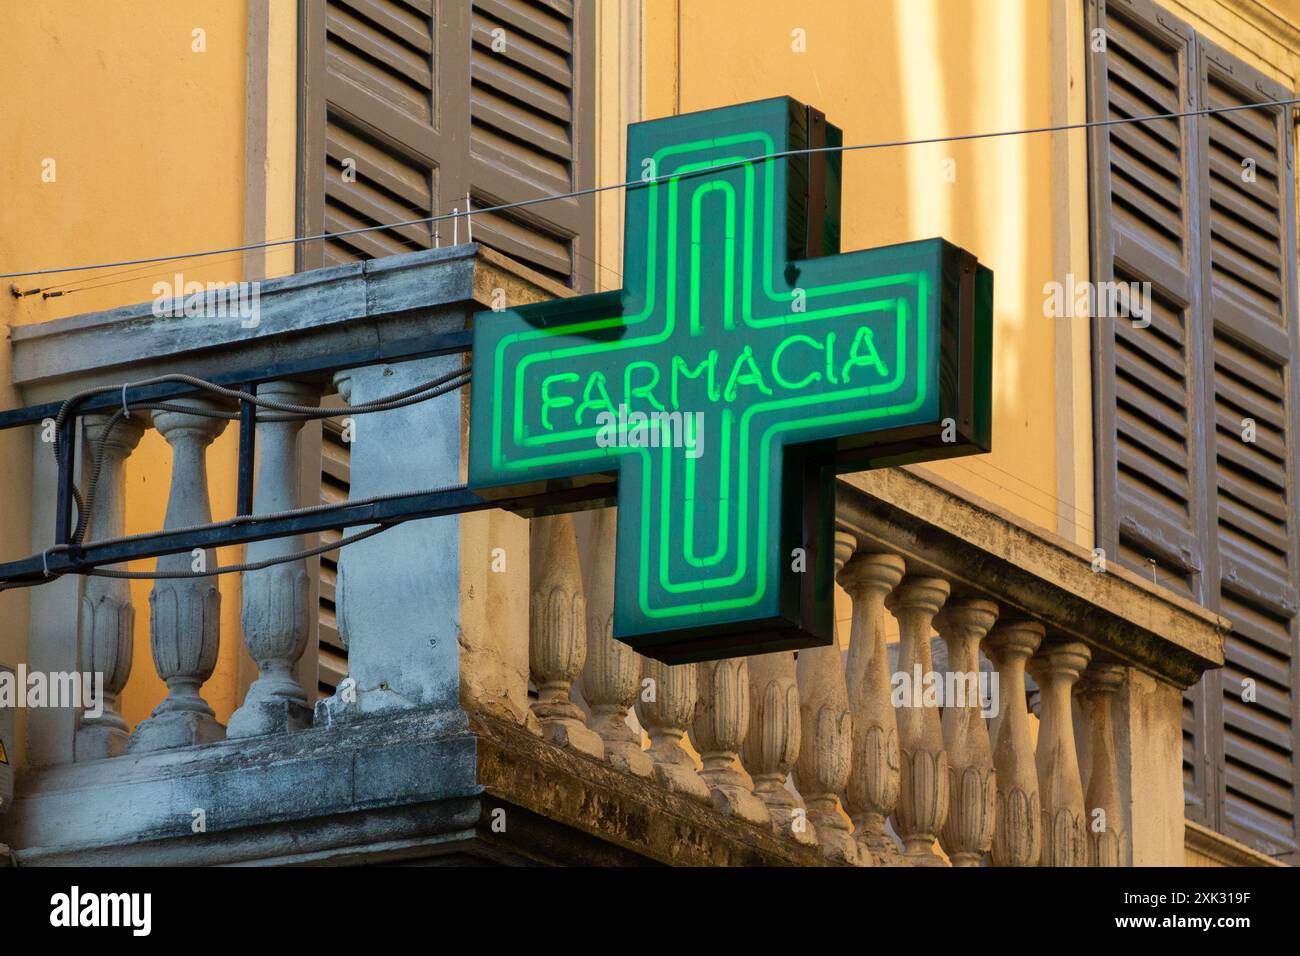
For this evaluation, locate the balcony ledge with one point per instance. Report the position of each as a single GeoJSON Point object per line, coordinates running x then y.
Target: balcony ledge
{"type": "Point", "coordinates": [374, 304]}
{"type": "Point", "coordinates": [427, 786]}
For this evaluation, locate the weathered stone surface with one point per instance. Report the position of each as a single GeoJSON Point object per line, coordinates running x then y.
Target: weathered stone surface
{"type": "Point", "coordinates": [1017, 836]}
{"type": "Point", "coordinates": [1056, 667]}
{"type": "Point", "coordinates": [935, 525]}
{"type": "Point", "coordinates": [398, 593]}
{"type": "Point", "coordinates": [826, 746]}
{"type": "Point", "coordinates": [874, 776]}
{"type": "Point", "coordinates": [107, 618]}
{"type": "Point", "coordinates": [923, 779]}
{"type": "Point", "coordinates": [721, 722]}
{"type": "Point", "coordinates": [591, 796]}
{"type": "Point", "coordinates": [184, 613]}
{"type": "Point", "coordinates": [276, 620]}
{"type": "Point", "coordinates": [420, 784]}
{"type": "Point", "coordinates": [611, 675]}
{"type": "Point", "coordinates": [972, 789]}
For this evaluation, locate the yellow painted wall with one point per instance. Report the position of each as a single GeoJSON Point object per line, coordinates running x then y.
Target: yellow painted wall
{"type": "Point", "coordinates": [904, 69]}
{"type": "Point", "coordinates": [147, 137]}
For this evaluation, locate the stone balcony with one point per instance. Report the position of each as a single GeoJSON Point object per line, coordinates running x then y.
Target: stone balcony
{"type": "Point", "coordinates": [489, 716]}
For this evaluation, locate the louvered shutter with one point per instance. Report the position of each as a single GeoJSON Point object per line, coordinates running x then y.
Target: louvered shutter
{"type": "Point", "coordinates": [1212, 201]}
{"type": "Point", "coordinates": [532, 131]}
{"type": "Point", "coordinates": [1248, 206]}
{"type": "Point", "coordinates": [1150, 485]}
{"type": "Point", "coordinates": [426, 103]}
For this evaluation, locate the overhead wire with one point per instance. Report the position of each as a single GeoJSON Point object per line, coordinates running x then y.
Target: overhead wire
{"type": "Point", "coordinates": [654, 180]}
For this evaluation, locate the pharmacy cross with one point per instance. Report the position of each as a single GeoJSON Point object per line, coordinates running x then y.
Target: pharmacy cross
{"type": "Point", "coordinates": [744, 362]}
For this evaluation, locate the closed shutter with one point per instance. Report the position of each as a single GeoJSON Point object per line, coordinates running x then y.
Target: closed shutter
{"type": "Point", "coordinates": [408, 106]}
{"type": "Point", "coordinates": [1197, 415]}
{"type": "Point", "coordinates": [526, 140]}
{"type": "Point", "coordinates": [1150, 486]}
{"type": "Point", "coordinates": [1143, 234]}
{"type": "Point", "coordinates": [1248, 204]}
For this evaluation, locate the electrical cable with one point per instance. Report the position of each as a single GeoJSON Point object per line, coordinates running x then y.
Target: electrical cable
{"type": "Point", "coordinates": [299, 555]}
{"type": "Point", "coordinates": [288, 412]}
{"type": "Point", "coordinates": [282, 411]}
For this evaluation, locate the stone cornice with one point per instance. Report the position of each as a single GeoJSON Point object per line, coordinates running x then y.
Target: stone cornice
{"type": "Point", "coordinates": [1225, 850]}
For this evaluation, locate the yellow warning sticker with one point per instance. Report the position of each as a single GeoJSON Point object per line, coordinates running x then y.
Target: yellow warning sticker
{"type": "Point", "coordinates": [4, 757]}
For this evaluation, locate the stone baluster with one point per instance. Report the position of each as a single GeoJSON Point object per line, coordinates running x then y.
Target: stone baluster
{"type": "Point", "coordinates": [276, 618]}
{"type": "Point", "coordinates": [1056, 667]}
{"type": "Point", "coordinates": [557, 638]}
{"type": "Point", "coordinates": [721, 722]}
{"type": "Point", "coordinates": [184, 613]}
{"type": "Point", "coordinates": [873, 782]}
{"type": "Point", "coordinates": [923, 780]}
{"type": "Point", "coordinates": [1017, 835]}
{"type": "Point", "coordinates": [107, 620]}
{"type": "Point", "coordinates": [1107, 831]}
{"type": "Point", "coordinates": [611, 676]}
{"type": "Point", "coordinates": [972, 792]}
{"type": "Point", "coordinates": [666, 707]}
{"type": "Point", "coordinates": [826, 746]}
{"type": "Point", "coordinates": [772, 744]}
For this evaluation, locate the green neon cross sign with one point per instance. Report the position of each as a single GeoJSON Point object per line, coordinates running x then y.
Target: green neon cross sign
{"type": "Point", "coordinates": [743, 363]}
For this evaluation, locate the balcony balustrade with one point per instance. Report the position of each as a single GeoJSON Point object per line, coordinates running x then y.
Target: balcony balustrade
{"type": "Point", "coordinates": [480, 724]}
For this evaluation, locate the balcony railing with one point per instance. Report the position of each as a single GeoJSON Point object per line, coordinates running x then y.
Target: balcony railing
{"type": "Point", "coordinates": [490, 714]}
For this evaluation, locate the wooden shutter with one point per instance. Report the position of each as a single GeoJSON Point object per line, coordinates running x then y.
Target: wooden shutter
{"type": "Point", "coordinates": [429, 102]}
{"type": "Point", "coordinates": [529, 132]}
{"type": "Point", "coordinates": [1248, 207]}
{"type": "Point", "coordinates": [1143, 232]}
{"type": "Point", "coordinates": [1152, 500]}
{"type": "Point", "coordinates": [1175, 480]}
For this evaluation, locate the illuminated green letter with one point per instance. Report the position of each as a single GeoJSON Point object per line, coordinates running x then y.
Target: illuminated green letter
{"type": "Point", "coordinates": [710, 365]}
{"type": "Point", "coordinates": [776, 363]}
{"type": "Point", "coordinates": [752, 377]}
{"type": "Point", "coordinates": [596, 396]}
{"type": "Point", "coordinates": [866, 355]}
{"type": "Point", "coordinates": [645, 391]}
{"type": "Point", "coordinates": [549, 402]}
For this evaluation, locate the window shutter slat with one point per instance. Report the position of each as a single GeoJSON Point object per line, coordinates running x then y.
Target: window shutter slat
{"type": "Point", "coordinates": [434, 103]}
{"type": "Point", "coordinates": [531, 131]}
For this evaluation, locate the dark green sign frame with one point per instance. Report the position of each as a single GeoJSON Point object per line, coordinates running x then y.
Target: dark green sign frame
{"type": "Point", "coordinates": [744, 362]}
